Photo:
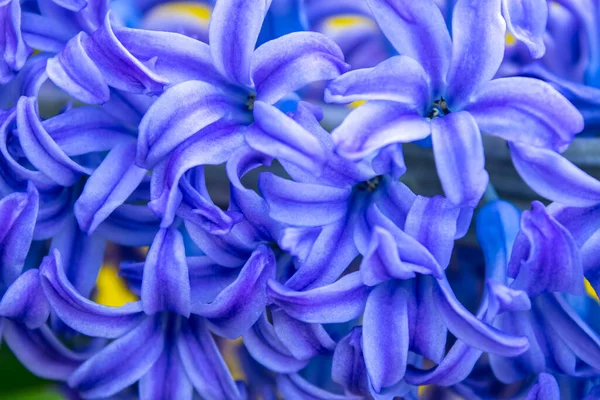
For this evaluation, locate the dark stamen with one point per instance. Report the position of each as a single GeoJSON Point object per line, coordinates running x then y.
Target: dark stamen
{"type": "Point", "coordinates": [250, 102]}
{"type": "Point", "coordinates": [370, 185]}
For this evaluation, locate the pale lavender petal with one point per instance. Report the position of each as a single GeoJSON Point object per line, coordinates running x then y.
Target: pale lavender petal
{"type": "Point", "coordinates": [399, 79]}
{"type": "Point", "coordinates": [546, 388]}
{"type": "Point", "coordinates": [554, 177]}
{"type": "Point", "coordinates": [478, 35]}
{"type": "Point", "coordinates": [24, 301]}
{"type": "Point", "coordinates": [526, 20]}
{"type": "Point", "coordinates": [290, 62]}
{"type": "Point", "coordinates": [233, 32]}
{"type": "Point", "coordinates": [417, 29]}
{"type": "Point", "coordinates": [377, 124]}
{"type": "Point", "coordinates": [459, 158]}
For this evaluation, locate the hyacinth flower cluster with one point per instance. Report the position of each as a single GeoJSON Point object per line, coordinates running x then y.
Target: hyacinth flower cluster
{"type": "Point", "coordinates": [239, 166]}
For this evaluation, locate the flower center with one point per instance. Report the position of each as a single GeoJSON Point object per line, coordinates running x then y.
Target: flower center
{"type": "Point", "coordinates": [250, 101]}
{"type": "Point", "coordinates": [370, 185]}
{"type": "Point", "coordinates": [439, 109]}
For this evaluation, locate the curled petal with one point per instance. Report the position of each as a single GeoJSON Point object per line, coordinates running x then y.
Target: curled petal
{"type": "Point", "coordinates": [400, 79]}
{"type": "Point", "coordinates": [14, 51]}
{"type": "Point", "coordinates": [79, 313]}
{"type": "Point", "coordinates": [180, 112]}
{"type": "Point", "coordinates": [296, 387]}
{"type": "Point", "coordinates": [341, 301]}
{"type": "Point", "coordinates": [121, 363]}
{"type": "Point", "coordinates": [166, 283]}
{"type": "Point", "coordinates": [478, 36]}
{"type": "Point", "coordinates": [377, 124]}
{"type": "Point", "coordinates": [526, 20]}
{"type": "Point", "coordinates": [417, 29]}
{"type": "Point", "coordinates": [459, 158]}
{"type": "Point", "coordinates": [349, 369]}
{"type": "Point", "coordinates": [233, 32]}
{"type": "Point", "coordinates": [25, 302]}
{"type": "Point", "coordinates": [279, 66]}
{"type": "Point", "coordinates": [240, 304]}
{"type": "Point", "coordinates": [554, 177]}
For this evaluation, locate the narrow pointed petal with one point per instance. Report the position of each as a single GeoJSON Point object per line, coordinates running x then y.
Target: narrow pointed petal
{"type": "Point", "coordinates": [280, 66]}
{"type": "Point", "coordinates": [80, 313]}
{"type": "Point", "coordinates": [233, 32]}
{"type": "Point", "coordinates": [554, 177]}
{"type": "Point", "coordinates": [400, 79]}
{"type": "Point", "coordinates": [545, 257]}
{"type": "Point", "coordinates": [349, 369]}
{"type": "Point", "coordinates": [18, 212]}
{"type": "Point", "coordinates": [468, 328]}
{"type": "Point", "coordinates": [478, 35]}
{"type": "Point", "coordinates": [203, 363]}
{"type": "Point", "coordinates": [303, 204]}
{"type": "Point", "coordinates": [526, 20]}
{"type": "Point", "coordinates": [296, 387]}
{"type": "Point", "coordinates": [386, 334]}
{"type": "Point", "coordinates": [41, 150]}
{"type": "Point", "coordinates": [516, 109]}
{"type": "Point", "coordinates": [277, 135]}
{"type": "Point", "coordinates": [25, 302]}
{"type": "Point", "coordinates": [121, 363]}
{"type": "Point", "coordinates": [264, 346]}
{"type": "Point", "coordinates": [459, 158]}
{"type": "Point", "coordinates": [14, 51]}
{"type": "Point", "coordinates": [417, 29]}
{"type": "Point", "coordinates": [108, 187]}
{"type": "Point", "coordinates": [180, 112]}
{"type": "Point", "coordinates": [167, 378]}
{"type": "Point", "coordinates": [240, 304]}
{"type": "Point", "coordinates": [41, 352]}
{"type": "Point", "coordinates": [341, 301]}
{"type": "Point", "coordinates": [166, 283]}
{"type": "Point", "coordinates": [377, 124]}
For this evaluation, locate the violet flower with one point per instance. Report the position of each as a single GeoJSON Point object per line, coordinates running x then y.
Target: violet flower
{"type": "Point", "coordinates": [445, 88]}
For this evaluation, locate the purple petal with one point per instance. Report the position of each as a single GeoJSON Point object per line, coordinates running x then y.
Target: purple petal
{"type": "Point", "coordinates": [18, 212]}
{"type": "Point", "coordinates": [240, 304]}
{"type": "Point", "coordinates": [428, 331]}
{"type": "Point", "coordinates": [45, 33]}
{"type": "Point", "coordinates": [41, 352]}
{"type": "Point", "coordinates": [77, 74]}
{"type": "Point", "coordinates": [478, 35]}
{"type": "Point", "coordinates": [432, 222]}
{"type": "Point", "coordinates": [417, 29]}
{"type": "Point", "coordinates": [349, 369]}
{"type": "Point", "coordinates": [377, 124]}
{"type": "Point", "coordinates": [545, 257]}
{"type": "Point", "coordinates": [203, 363]}
{"type": "Point", "coordinates": [386, 334]}
{"type": "Point", "coordinates": [545, 388]}
{"type": "Point", "coordinates": [459, 158]}
{"type": "Point", "coordinates": [14, 50]}
{"type": "Point", "coordinates": [79, 313]}
{"type": "Point", "coordinates": [167, 378]}
{"type": "Point", "coordinates": [121, 363]}
{"type": "Point", "coordinates": [303, 204]}
{"type": "Point", "coordinates": [399, 79]}
{"type": "Point", "coordinates": [72, 5]}
{"type": "Point", "coordinates": [341, 301]}
{"type": "Point", "coordinates": [468, 328]}
{"type": "Point", "coordinates": [130, 225]}
{"type": "Point", "coordinates": [554, 177]}
{"type": "Point", "coordinates": [516, 109]}
{"type": "Point", "coordinates": [233, 32]}
{"type": "Point", "coordinates": [303, 340]}
{"type": "Point", "coordinates": [526, 20]}
{"type": "Point", "coordinates": [279, 66]}
{"type": "Point", "coordinates": [25, 302]}
{"type": "Point", "coordinates": [180, 112]}
{"type": "Point", "coordinates": [277, 135]}
{"type": "Point", "coordinates": [108, 187]}
{"type": "Point", "coordinates": [41, 150]}
{"type": "Point", "coordinates": [166, 283]}
{"type": "Point", "coordinates": [296, 387]}
{"type": "Point", "coordinates": [264, 346]}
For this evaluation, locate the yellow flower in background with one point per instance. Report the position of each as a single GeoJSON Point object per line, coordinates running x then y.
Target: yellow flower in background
{"type": "Point", "coordinates": [111, 289]}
